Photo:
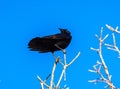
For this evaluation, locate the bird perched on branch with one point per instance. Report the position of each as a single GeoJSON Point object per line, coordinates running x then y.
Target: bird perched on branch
{"type": "Point", "coordinates": [51, 43]}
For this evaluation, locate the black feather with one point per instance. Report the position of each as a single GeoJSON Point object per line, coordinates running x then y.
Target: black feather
{"type": "Point", "coordinates": [47, 43]}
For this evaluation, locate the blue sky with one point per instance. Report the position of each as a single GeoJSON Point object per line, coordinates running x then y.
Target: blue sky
{"type": "Point", "coordinates": [22, 20]}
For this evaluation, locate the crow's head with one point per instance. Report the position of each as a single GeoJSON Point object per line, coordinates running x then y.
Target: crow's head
{"type": "Point", "coordinates": [64, 31]}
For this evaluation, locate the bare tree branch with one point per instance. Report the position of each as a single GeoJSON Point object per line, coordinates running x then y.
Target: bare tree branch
{"type": "Point", "coordinates": [112, 29]}
{"type": "Point", "coordinates": [65, 65]}
{"type": "Point", "coordinates": [97, 67]}
{"type": "Point", "coordinates": [113, 47]}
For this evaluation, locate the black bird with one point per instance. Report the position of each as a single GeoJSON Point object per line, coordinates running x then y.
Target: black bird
{"type": "Point", "coordinates": [51, 43]}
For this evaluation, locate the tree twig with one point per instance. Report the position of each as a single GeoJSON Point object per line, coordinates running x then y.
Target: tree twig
{"type": "Point", "coordinates": [63, 73]}
{"type": "Point", "coordinates": [102, 63]}
{"type": "Point", "coordinates": [113, 47]}
{"type": "Point", "coordinates": [65, 66]}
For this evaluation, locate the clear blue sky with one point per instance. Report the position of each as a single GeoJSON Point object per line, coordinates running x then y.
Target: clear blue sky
{"type": "Point", "coordinates": [22, 20]}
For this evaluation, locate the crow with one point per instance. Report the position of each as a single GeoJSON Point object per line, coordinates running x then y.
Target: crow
{"type": "Point", "coordinates": [51, 43]}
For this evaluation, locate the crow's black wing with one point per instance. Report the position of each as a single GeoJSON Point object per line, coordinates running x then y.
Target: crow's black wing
{"type": "Point", "coordinates": [56, 37]}
{"type": "Point", "coordinates": [47, 43]}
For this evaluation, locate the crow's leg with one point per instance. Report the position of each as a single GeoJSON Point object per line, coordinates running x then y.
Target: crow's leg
{"type": "Point", "coordinates": [63, 50]}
